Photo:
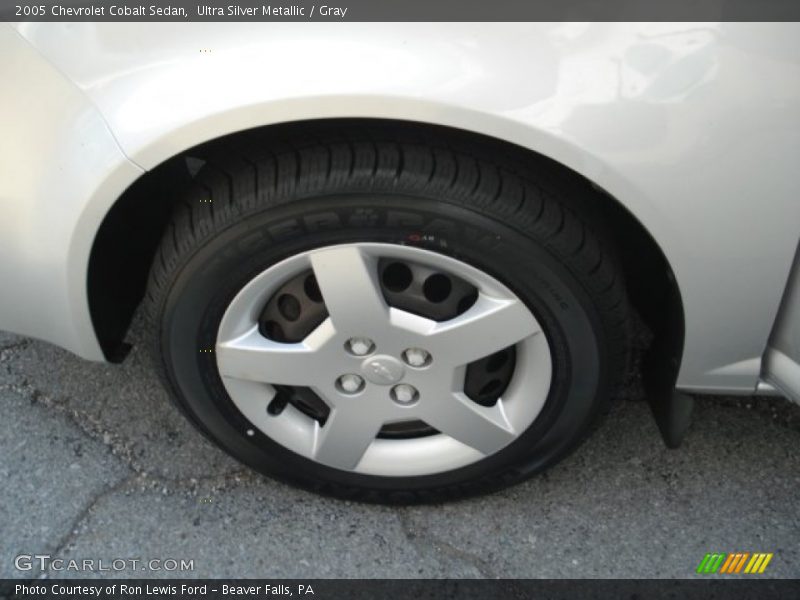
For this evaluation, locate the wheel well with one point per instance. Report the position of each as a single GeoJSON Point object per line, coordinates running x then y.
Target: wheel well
{"type": "Point", "coordinates": [126, 242]}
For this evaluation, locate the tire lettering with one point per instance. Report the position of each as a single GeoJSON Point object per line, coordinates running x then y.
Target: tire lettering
{"type": "Point", "coordinates": [284, 230]}
{"type": "Point", "coordinates": [403, 219]}
{"type": "Point", "coordinates": [320, 221]}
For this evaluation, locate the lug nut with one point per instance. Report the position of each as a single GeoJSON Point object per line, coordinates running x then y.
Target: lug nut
{"type": "Point", "coordinates": [417, 357]}
{"type": "Point", "coordinates": [359, 346]}
{"type": "Point", "coordinates": [404, 394]}
{"type": "Point", "coordinates": [350, 383]}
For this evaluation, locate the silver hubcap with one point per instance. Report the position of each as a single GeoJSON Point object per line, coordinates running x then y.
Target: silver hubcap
{"type": "Point", "coordinates": [374, 365]}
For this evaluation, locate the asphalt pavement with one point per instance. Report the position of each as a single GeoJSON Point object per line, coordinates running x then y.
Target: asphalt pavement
{"type": "Point", "coordinates": [96, 464]}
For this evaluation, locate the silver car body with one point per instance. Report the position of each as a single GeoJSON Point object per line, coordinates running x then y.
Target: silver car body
{"type": "Point", "coordinates": [693, 127]}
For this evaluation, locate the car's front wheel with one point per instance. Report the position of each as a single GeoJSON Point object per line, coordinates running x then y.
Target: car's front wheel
{"type": "Point", "coordinates": [385, 320]}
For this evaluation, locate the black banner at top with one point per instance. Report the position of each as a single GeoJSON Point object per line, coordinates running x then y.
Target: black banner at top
{"type": "Point", "coordinates": [399, 10]}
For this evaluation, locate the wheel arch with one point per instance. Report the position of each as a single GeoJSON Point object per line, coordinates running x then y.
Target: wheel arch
{"type": "Point", "coordinates": [127, 239]}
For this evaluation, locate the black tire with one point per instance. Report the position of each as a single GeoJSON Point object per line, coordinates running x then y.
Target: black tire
{"type": "Point", "coordinates": [515, 217]}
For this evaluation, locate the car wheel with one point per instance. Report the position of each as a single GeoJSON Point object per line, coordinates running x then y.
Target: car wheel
{"type": "Point", "coordinates": [386, 320]}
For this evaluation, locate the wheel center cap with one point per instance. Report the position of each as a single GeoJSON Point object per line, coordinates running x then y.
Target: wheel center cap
{"type": "Point", "coordinates": [382, 369]}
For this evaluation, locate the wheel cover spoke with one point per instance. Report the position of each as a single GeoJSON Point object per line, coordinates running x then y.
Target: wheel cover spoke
{"type": "Point", "coordinates": [347, 278]}
{"type": "Point", "coordinates": [489, 326]}
{"type": "Point", "coordinates": [346, 435]}
{"type": "Point", "coordinates": [253, 357]}
{"type": "Point", "coordinates": [483, 428]}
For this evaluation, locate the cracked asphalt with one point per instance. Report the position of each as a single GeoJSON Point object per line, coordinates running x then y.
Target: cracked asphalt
{"type": "Point", "coordinates": [95, 463]}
